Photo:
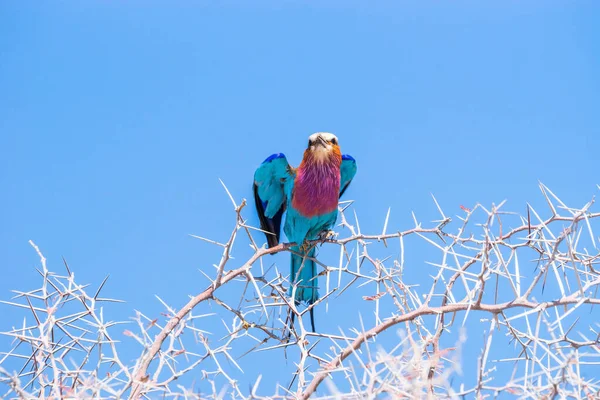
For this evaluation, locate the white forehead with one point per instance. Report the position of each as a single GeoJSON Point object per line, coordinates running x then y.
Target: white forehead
{"type": "Point", "coordinates": [325, 135]}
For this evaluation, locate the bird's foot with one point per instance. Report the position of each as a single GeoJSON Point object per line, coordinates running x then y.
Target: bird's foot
{"type": "Point", "coordinates": [325, 236]}
{"type": "Point", "coordinates": [305, 247]}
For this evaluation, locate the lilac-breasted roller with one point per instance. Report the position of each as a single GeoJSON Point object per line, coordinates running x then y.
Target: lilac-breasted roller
{"type": "Point", "coordinates": [310, 195]}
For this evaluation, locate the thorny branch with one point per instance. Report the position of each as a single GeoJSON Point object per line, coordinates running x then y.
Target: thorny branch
{"type": "Point", "coordinates": [532, 281]}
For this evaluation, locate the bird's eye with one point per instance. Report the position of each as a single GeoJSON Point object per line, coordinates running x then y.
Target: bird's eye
{"type": "Point", "coordinates": [333, 141]}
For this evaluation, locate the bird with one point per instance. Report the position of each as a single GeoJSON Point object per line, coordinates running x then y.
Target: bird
{"type": "Point", "coordinates": [309, 195]}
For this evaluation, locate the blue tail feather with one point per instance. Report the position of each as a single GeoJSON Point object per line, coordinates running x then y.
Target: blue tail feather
{"type": "Point", "coordinates": [303, 270]}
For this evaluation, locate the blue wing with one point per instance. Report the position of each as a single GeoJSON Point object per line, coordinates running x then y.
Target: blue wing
{"type": "Point", "coordinates": [347, 170]}
{"type": "Point", "coordinates": [269, 194]}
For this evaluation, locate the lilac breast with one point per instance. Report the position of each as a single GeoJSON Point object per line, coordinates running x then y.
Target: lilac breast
{"type": "Point", "coordinates": [316, 188]}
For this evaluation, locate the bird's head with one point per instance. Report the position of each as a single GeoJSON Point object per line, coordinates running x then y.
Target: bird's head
{"type": "Point", "coordinates": [323, 146]}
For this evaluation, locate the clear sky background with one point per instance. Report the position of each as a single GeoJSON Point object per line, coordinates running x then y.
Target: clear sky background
{"type": "Point", "coordinates": [118, 118]}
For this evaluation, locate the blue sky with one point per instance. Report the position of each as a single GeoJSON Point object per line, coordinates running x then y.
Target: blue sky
{"type": "Point", "coordinates": [118, 118]}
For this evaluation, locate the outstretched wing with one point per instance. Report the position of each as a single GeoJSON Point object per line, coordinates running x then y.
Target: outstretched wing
{"type": "Point", "coordinates": [269, 194]}
{"type": "Point", "coordinates": [347, 171]}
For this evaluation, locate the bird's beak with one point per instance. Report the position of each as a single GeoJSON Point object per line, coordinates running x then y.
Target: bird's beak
{"type": "Point", "coordinates": [321, 141]}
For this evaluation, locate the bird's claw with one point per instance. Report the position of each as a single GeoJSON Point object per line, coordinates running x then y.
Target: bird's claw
{"type": "Point", "coordinates": [305, 247]}
{"type": "Point", "coordinates": [327, 235]}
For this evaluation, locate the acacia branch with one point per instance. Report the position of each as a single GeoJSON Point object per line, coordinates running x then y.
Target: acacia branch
{"type": "Point", "coordinates": [451, 308]}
